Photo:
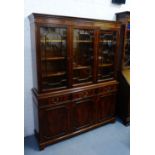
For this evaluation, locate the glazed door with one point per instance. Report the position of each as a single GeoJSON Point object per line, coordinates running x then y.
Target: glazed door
{"type": "Point", "coordinates": [53, 46]}
{"type": "Point", "coordinates": [83, 51]}
{"type": "Point", "coordinates": [106, 62]}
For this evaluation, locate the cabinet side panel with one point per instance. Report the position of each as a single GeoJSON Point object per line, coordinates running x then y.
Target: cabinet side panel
{"type": "Point", "coordinates": [34, 55]}
{"type": "Point", "coordinates": [36, 120]}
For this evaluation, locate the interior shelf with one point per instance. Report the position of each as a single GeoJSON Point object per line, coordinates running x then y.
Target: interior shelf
{"type": "Point", "coordinates": [53, 58]}
{"type": "Point", "coordinates": [81, 67]}
{"type": "Point", "coordinates": [103, 77]}
{"type": "Point", "coordinates": [50, 41]}
{"type": "Point", "coordinates": [106, 41]}
{"type": "Point", "coordinates": [105, 65]}
{"type": "Point", "coordinates": [54, 74]}
{"type": "Point", "coordinates": [83, 41]}
{"type": "Point", "coordinates": [82, 79]}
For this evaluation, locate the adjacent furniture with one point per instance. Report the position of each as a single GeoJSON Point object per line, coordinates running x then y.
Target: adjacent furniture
{"type": "Point", "coordinates": [75, 65]}
{"type": "Point", "coordinates": [124, 18]}
{"type": "Point", "coordinates": [123, 104]}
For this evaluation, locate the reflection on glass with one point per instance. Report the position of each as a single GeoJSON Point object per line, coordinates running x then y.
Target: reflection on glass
{"type": "Point", "coordinates": [83, 46]}
{"type": "Point", "coordinates": [53, 51]}
{"type": "Point", "coordinates": [107, 45]}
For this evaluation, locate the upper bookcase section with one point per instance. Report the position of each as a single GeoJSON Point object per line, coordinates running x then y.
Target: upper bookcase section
{"type": "Point", "coordinates": [70, 52]}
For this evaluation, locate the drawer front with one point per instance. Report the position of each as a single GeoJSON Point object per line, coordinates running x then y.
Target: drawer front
{"type": "Point", "coordinates": [83, 94]}
{"type": "Point", "coordinates": [54, 100]}
{"type": "Point", "coordinates": [59, 99]}
{"type": "Point", "coordinates": [107, 89]}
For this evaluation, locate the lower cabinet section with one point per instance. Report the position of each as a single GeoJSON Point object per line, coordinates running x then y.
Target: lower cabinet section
{"type": "Point", "coordinates": [76, 112]}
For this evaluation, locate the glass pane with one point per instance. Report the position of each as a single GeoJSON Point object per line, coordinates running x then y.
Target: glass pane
{"type": "Point", "coordinates": [107, 45]}
{"type": "Point", "coordinates": [127, 49]}
{"type": "Point", "coordinates": [83, 46]}
{"type": "Point", "coordinates": [53, 54]}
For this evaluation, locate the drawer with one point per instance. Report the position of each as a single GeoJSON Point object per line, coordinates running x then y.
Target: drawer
{"type": "Point", "coordinates": [83, 94]}
{"type": "Point", "coordinates": [107, 89]}
{"type": "Point", "coordinates": [59, 99]}
{"type": "Point", "coordinates": [54, 100]}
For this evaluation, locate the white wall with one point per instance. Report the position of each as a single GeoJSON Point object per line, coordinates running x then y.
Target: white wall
{"type": "Point", "coordinates": [99, 9]}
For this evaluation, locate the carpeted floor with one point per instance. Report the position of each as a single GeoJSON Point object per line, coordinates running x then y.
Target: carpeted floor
{"type": "Point", "coordinates": [110, 139]}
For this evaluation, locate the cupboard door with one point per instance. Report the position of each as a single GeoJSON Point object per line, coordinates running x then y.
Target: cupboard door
{"type": "Point", "coordinates": [83, 51]}
{"type": "Point", "coordinates": [106, 107]}
{"type": "Point", "coordinates": [53, 46]}
{"type": "Point", "coordinates": [83, 113]}
{"type": "Point", "coordinates": [106, 55]}
{"type": "Point", "coordinates": [54, 121]}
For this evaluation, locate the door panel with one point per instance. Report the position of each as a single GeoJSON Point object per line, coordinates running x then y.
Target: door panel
{"type": "Point", "coordinates": [83, 113]}
{"type": "Point", "coordinates": [55, 121]}
{"type": "Point", "coordinates": [106, 107]}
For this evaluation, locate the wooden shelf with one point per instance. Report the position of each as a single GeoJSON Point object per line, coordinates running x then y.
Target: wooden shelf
{"type": "Point", "coordinates": [103, 77]}
{"type": "Point", "coordinates": [54, 74]}
{"type": "Point", "coordinates": [53, 58]}
{"type": "Point", "coordinates": [90, 49]}
{"type": "Point", "coordinates": [106, 41]}
{"type": "Point", "coordinates": [81, 67]}
{"type": "Point", "coordinates": [52, 41]}
{"type": "Point", "coordinates": [105, 65]}
{"type": "Point", "coordinates": [82, 79]}
{"type": "Point", "coordinates": [83, 41]}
